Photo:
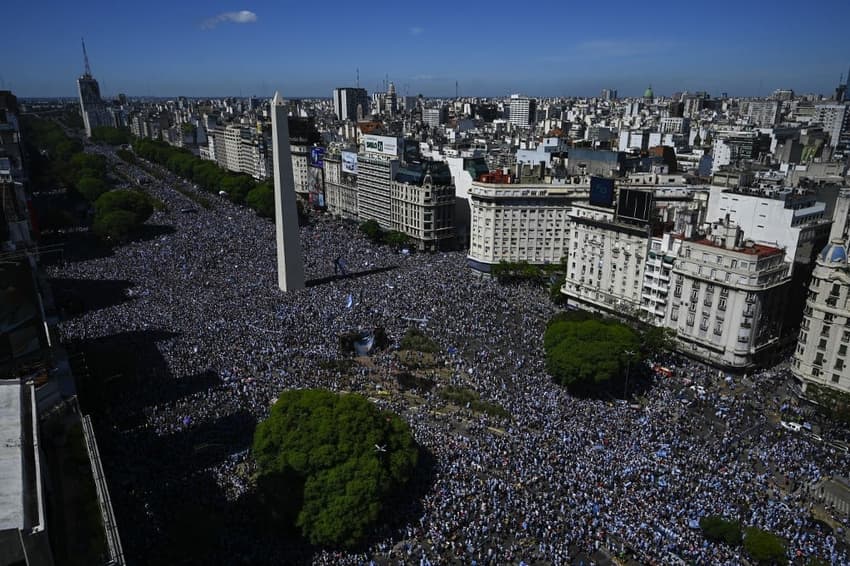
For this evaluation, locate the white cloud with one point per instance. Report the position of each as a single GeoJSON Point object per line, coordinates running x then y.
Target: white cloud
{"type": "Point", "coordinates": [610, 49]}
{"type": "Point", "coordinates": [416, 30]}
{"type": "Point", "coordinates": [240, 17]}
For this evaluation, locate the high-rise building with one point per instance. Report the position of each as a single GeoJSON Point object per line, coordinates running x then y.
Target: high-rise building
{"type": "Point", "coordinates": [836, 122]}
{"type": "Point", "coordinates": [290, 264]}
{"type": "Point", "coordinates": [351, 103]}
{"type": "Point", "coordinates": [433, 117]}
{"type": "Point", "coordinates": [91, 105]}
{"type": "Point", "coordinates": [377, 165]}
{"type": "Point", "coordinates": [764, 113]}
{"type": "Point", "coordinates": [523, 111]}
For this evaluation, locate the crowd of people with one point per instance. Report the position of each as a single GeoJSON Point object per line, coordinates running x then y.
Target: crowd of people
{"type": "Point", "coordinates": [563, 477]}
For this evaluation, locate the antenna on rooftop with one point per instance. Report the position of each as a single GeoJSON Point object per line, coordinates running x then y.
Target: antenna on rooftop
{"type": "Point", "coordinates": [358, 77]}
{"type": "Point", "coordinates": [456, 89]}
{"type": "Point", "coordinates": [86, 58]}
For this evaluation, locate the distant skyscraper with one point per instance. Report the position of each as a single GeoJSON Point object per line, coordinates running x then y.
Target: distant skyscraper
{"type": "Point", "coordinates": [290, 265]}
{"type": "Point", "coordinates": [347, 100]}
{"type": "Point", "coordinates": [522, 110]}
{"type": "Point", "coordinates": [91, 105]}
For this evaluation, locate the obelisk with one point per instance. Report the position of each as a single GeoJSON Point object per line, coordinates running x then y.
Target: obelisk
{"type": "Point", "coordinates": [290, 265]}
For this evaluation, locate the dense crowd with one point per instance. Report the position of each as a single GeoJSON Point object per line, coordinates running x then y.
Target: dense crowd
{"type": "Point", "coordinates": [563, 477]}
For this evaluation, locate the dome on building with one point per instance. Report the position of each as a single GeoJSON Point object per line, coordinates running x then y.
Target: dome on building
{"type": "Point", "coordinates": [834, 252]}
{"type": "Point", "coordinates": [648, 92]}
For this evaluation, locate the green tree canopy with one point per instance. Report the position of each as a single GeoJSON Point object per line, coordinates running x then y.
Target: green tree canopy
{"type": "Point", "coordinates": [718, 529]}
{"type": "Point", "coordinates": [582, 352]}
{"type": "Point", "coordinates": [91, 188]}
{"type": "Point", "coordinates": [111, 136]}
{"type": "Point", "coordinates": [116, 225]}
{"type": "Point", "coordinates": [764, 547]}
{"type": "Point", "coordinates": [261, 199]}
{"type": "Point", "coordinates": [134, 202]}
{"type": "Point", "coordinates": [336, 457]}
{"type": "Point", "coordinates": [372, 230]}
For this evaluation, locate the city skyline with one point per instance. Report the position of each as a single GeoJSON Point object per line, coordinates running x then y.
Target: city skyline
{"type": "Point", "coordinates": [230, 50]}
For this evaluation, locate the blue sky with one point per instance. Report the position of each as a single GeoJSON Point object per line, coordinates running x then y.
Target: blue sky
{"type": "Point", "coordinates": [568, 47]}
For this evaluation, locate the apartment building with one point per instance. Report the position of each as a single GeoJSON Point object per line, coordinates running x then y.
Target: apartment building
{"type": "Point", "coordinates": [821, 355]}
{"type": "Point", "coordinates": [422, 204]}
{"type": "Point", "coordinates": [729, 297]}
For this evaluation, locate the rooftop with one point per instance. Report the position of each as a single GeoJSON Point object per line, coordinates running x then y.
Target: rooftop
{"type": "Point", "coordinates": [759, 250]}
{"type": "Point", "coordinates": [11, 457]}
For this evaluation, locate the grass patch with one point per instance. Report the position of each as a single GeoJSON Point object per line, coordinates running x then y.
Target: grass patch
{"type": "Point", "coordinates": [467, 397]}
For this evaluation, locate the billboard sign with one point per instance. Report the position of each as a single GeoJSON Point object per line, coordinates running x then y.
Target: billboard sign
{"type": "Point", "coordinates": [634, 204]}
{"type": "Point", "coordinates": [602, 192]}
{"type": "Point", "coordinates": [383, 145]}
{"type": "Point", "coordinates": [316, 187]}
{"type": "Point", "coordinates": [349, 162]}
{"type": "Point", "coordinates": [317, 157]}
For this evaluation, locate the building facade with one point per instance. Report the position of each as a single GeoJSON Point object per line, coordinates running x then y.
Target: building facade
{"type": "Point", "coordinates": [422, 200]}
{"type": "Point", "coordinates": [821, 355]}
{"type": "Point", "coordinates": [606, 261]}
{"type": "Point", "coordinates": [523, 111]}
{"type": "Point", "coordinates": [341, 187]}
{"type": "Point", "coordinates": [519, 222]}
{"type": "Point", "coordinates": [728, 297]}
{"type": "Point", "coordinates": [351, 104]}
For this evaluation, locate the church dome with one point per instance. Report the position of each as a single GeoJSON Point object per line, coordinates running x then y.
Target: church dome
{"type": "Point", "coordinates": [648, 92]}
{"type": "Point", "coordinates": [834, 252]}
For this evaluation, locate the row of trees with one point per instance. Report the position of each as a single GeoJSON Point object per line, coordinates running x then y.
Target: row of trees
{"type": "Point", "coordinates": [329, 463]}
{"type": "Point", "coordinates": [240, 188]}
{"type": "Point", "coordinates": [378, 235]}
{"type": "Point", "coordinates": [120, 214]}
{"type": "Point", "coordinates": [111, 136]}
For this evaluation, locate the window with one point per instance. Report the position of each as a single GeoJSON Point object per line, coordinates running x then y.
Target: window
{"type": "Point", "coordinates": [822, 344]}
{"type": "Point", "coordinates": [718, 328]}
{"type": "Point", "coordinates": [721, 305]}
{"type": "Point", "coordinates": [835, 378]}
{"type": "Point", "coordinates": [839, 364]}
{"type": "Point", "coordinates": [703, 325]}
{"type": "Point", "coordinates": [724, 292]}
{"type": "Point", "coordinates": [842, 350]}
{"type": "Point", "coordinates": [690, 320]}
{"type": "Point", "coordinates": [674, 314]}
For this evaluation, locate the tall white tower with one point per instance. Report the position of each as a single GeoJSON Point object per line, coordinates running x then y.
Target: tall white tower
{"type": "Point", "coordinates": [290, 265]}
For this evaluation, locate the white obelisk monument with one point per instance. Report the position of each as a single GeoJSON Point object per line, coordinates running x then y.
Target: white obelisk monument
{"type": "Point", "coordinates": [290, 265]}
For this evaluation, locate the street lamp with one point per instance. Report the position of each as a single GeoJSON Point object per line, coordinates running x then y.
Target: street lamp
{"type": "Point", "coordinates": [629, 354]}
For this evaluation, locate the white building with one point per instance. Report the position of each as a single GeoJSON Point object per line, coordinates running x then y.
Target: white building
{"type": "Point", "coordinates": [341, 185]}
{"type": "Point", "coordinates": [764, 113]}
{"type": "Point", "coordinates": [522, 111]}
{"type": "Point", "coordinates": [377, 165]}
{"type": "Point", "coordinates": [657, 275]}
{"type": "Point", "coordinates": [774, 216]}
{"type": "Point", "coordinates": [519, 222]}
{"type": "Point", "coordinates": [728, 297]}
{"type": "Point", "coordinates": [606, 261]}
{"type": "Point", "coordinates": [821, 355]}
{"type": "Point", "coordinates": [835, 119]}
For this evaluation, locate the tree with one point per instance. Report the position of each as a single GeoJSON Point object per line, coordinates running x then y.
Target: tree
{"type": "Point", "coordinates": [110, 136]}
{"type": "Point", "coordinates": [718, 529]}
{"type": "Point", "coordinates": [237, 186]}
{"type": "Point", "coordinates": [396, 239]}
{"type": "Point", "coordinates": [582, 353]}
{"type": "Point", "coordinates": [116, 225]}
{"type": "Point", "coordinates": [764, 547]}
{"type": "Point", "coordinates": [657, 340]}
{"type": "Point", "coordinates": [331, 461]}
{"type": "Point", "coordinates": [261, 199]}
{"type": "Point", "coordinates": [134, 202]}
{"type": "Point", "coordinates": [372, 230]}
{"type": "Point", "coordinates": [91, 188]}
